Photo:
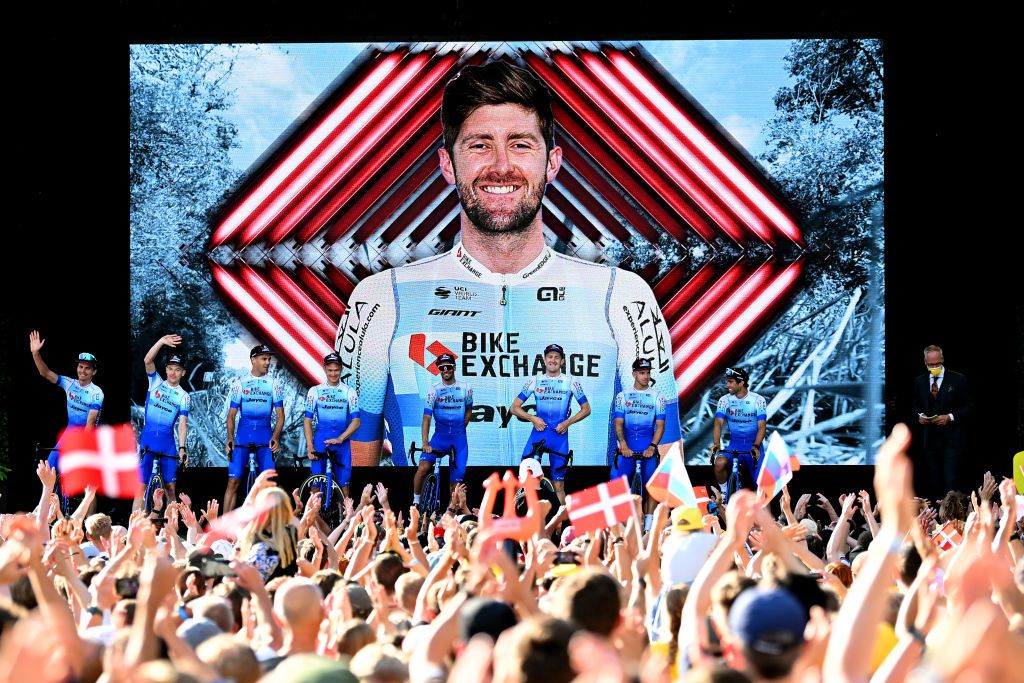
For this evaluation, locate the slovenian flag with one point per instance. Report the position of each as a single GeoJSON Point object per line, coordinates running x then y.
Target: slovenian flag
{"type": "Point", "coordinates": [670, 482]}
{"type": "Point", "coordinates": [776, 470]}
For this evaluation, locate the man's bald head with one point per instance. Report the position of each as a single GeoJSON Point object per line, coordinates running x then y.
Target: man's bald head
{"type": "Point", "coordinates": [299, 602]}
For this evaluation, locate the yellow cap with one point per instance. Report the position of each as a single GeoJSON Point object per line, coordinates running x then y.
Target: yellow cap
{"type": "Point", "coordinates": [687, 519]}
{"type": "Point", "coordinates": [563, 570]}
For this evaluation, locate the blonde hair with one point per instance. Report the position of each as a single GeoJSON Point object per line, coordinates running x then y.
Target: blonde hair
{"type": "Point", "coordinates": [272, 527]}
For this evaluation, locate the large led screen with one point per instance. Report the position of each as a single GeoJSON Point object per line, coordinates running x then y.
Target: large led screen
{"type": "Point", "coordinates": [715, 204]}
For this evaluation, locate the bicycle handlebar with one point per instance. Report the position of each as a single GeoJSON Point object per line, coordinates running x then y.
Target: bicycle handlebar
{"type": "Point", "coordinates": [147, 449]}
{"type": "Point", "coordinates": [441, 453]}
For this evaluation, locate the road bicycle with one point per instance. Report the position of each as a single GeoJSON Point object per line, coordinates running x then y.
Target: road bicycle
{"type": "Point", "coordinates": [332, 495]}
{"type": "Point", "coordinates": [430, 493]}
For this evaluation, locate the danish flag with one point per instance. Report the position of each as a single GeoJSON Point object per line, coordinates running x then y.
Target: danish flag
{"type": "Point", "coordinates": [702, 498]}
{"type": "Point", "coordinates": [104, 458]}
{"type": "Point", "coordinates": [947, 538]}
{"type": "Point", "coordinates": [601, 506]}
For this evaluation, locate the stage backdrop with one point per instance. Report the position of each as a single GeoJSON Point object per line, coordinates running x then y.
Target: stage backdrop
{"type": "Point", "coordinates": [742, 180]}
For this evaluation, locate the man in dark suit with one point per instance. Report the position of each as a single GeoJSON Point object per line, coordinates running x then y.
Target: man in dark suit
{"type": "Point", "coordinates": [942, 405]}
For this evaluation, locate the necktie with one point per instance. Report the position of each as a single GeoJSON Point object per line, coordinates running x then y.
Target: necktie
{"type": "Point", "coordinates": [935, 387]}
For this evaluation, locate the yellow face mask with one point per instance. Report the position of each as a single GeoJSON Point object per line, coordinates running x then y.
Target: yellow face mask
{"type": "Point", "coordinates": [935, 371]}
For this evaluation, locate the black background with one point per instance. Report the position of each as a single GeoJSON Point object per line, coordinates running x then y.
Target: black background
{"type": "Point", "coordinates": [952, 266]}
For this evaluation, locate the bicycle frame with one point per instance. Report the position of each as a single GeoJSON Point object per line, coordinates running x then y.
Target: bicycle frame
{"type": "Point", "coordinates": [252, 447]}
{"type": "Point", "coordinates": [539, 449]}
{"type": "Point", "coordinates": [154, 474]}
{"type": "Point", "coordinates": [435, 490]}
{"type": "Point", "coordinates": [732, 484]}
{"type": "Point", "coordinates": [328, 453]}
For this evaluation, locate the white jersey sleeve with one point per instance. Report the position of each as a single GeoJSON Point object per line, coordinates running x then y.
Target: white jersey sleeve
{"type": "Point", "coordinates": [640, 331]}
{"type": "Point", "coordinates": [363, 342]}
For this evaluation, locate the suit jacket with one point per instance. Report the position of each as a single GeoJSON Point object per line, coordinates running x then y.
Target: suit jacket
{"type": "Point", "coordinates": [954, 399]}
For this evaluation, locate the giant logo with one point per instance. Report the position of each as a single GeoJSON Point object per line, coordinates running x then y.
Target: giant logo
{"type": "Point", "coordinates": [355, 189]}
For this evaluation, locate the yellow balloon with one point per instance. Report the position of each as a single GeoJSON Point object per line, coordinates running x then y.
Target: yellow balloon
{"type": "Point", "coordinates": [1018, 472]}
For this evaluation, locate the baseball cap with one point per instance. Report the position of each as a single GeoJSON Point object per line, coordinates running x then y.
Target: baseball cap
{"type": "Point", "coordinates": [86, 357]}
{"type": "Point", "coordinates": [642, 364]}
{"type": "Point", "coordinates": [687, 519]}
{"type": "Point", "coordinates": [768, 620]}
{"type": "Point", "coordinates": [360, 600]}
{"type": "Point", "coordinates": [738, 374]}
{"type": "Point", "coordinates": [175, 359]}
{"type": "Point", "coordinates": [530, 466]}
{"type": "Point", "coordinates": [485, 615]}
{"type": "Point", "coordinates": [445, 359]}
{"type": "Point", "coordinates": [554, 347]}
{"type": "Point", "coordinates": [332, 358]}
{"type": "Point", "coordinates": [259, 350]}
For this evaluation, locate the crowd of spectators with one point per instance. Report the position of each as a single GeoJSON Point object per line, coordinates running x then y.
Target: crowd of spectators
{"type": "Point", "coordinates": [851, 590]}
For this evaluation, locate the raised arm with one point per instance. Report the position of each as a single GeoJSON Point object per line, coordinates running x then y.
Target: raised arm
{"type": "Point", "coordinates": [171, 340]}
{"type": "Point", "coordinates": [848, 656]}
{"type": "Point", "coordinates": [35, 345]}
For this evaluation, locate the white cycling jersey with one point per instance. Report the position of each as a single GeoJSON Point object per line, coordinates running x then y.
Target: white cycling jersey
{"type": "Point", "coordinates": [497, 325]}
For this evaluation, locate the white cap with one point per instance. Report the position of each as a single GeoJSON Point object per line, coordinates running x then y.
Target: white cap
{"type": "Point", "coordinates": [530, 466]}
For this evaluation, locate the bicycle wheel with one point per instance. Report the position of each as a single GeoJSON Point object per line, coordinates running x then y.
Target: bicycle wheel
{"type": "Point", "coordinates": [429, 498]}
{"type": "Point", "coordinates": [330, 515]}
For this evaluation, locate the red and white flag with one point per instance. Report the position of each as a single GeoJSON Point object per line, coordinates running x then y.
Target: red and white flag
{"type": "Point", "coordinates": [232, 523]}
{"type": "Point", "coordinates": [670, 482]}
{"type": "Point", "coordinates": [600, 506]}
{"type": "Point", "coordinates": [702, 498]}
{"type": "Point", "coordinates": [105, 458]}
{"type": "Point", "coordinates": [947, 538]}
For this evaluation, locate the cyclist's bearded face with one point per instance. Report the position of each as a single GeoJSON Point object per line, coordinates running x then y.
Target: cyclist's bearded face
{"type": "Point", "coordinates": [85, 372]}
{"type": "Point", "coordinates": [333, 372]}
{"type": "Point", "coordinates": [732, 386]}
{"type": "Point", "coordinates": [501, 167]}
{"type": "Point", "coordinates": [447, 372]}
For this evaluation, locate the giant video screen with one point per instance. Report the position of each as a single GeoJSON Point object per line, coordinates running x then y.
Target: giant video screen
{"type": "Point", "coordinates": [703, 205]}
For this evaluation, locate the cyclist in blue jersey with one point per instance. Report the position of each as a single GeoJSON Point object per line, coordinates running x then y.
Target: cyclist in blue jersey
{"type": "Point", "coordinates": [85, 399]}
{"type": "Point", "coordinates": [639, 426]}
{"type": "Point", "coordinates": [450, 403]}
{"type": "Point", "coordinates": [747, 415]}
{"type": "Point", "coordinates": [254, 399]}
{"type": "Point", "coordinates": [554, 393]}
{"type": "Point", "coordinates": [167, 407]}
{"type": "Point", "coordinates": [332, 416]}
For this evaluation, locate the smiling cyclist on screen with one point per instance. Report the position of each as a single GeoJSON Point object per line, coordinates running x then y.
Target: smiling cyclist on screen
{"type": "Point", "coordinates": [746, 414]}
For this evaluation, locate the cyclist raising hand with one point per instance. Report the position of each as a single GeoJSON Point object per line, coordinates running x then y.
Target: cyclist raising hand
{"type": "Point", "coordinates": [85, 399]}
{"type": "Point", "coordinates": [167, 406]}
